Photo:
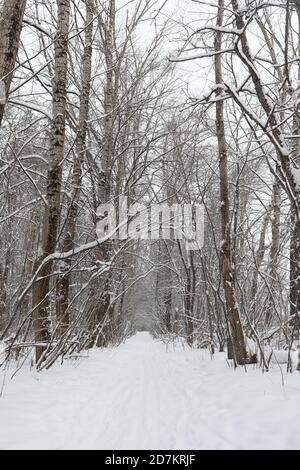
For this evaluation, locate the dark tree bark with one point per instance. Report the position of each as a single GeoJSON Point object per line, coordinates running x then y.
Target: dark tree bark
{"type": "Point", "coordinates": [41, 288]}
{"type": "Point", "coordinates": [11, 19]}
{"type": "Point", "coordinates": [227, 269]}
{"type": "Point", "coordinates": [63, 285]}
{"type": "Point", "coordinates": [104, 254]}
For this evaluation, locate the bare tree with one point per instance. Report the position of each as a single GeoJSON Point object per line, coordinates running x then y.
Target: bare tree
{"type": "Point", "coordinates": [53, 208]}
{"type": "Point", "coordinates": [226, 253]}
{"type": "Point", "coordinates": [79, 156]}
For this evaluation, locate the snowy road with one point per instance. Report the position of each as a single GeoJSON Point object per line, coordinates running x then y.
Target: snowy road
{"type": "Point", "coordinates": [140, 396]}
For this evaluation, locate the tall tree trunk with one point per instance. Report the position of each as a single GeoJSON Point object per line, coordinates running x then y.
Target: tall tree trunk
{"type": "Point", "coordinates": [63, 285]}
{"type": "Point", "coordinates": [274, 250]}
{"type": "Point", "coordinates": [4, 272]}
{"type": "Point", "coordinates": [6, 264]}
{"type": "Point", "coordinates": [105, 183]}
{"type": "Point", "coordinates": [226, 250]}
{"type": "Point", "coordinates": [53, 209]}
{"type": "Point", "coordinates": [11, 19]}
{"type": "Point", "coordinates": [295, 222]}
{"type": "Point", "coordinates": [109, 92]}
{"type": "Point", "coordinates": [163, 284]}
{"type": "Point", "coordinates": [295, 272]}
{"type": "Point", "coordinates": [190, 292]}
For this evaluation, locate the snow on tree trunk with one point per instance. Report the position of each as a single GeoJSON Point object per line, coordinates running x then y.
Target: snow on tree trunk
{"type": "Point", "coordinates": [11, 18]}
{"type": "Point", "coordinates": [295, 222]}
{"type": "Point", "coordinates": [238, 340]}
{"type": "Point", "coordinates": [103, 311]}
{"type": "Point", "coordinates": [63, 285]}
{"type": "Point", "coordinates": [41, 288]}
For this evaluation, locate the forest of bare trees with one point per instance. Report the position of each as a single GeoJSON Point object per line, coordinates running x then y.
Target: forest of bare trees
{"type": "Point", "coordinates": [95, 104]}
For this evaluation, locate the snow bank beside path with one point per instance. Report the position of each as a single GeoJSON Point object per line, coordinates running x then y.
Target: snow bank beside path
{"type": "Point", "coordinates": [142, 396]}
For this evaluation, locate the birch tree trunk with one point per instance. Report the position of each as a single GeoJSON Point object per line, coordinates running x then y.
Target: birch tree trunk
{"type": "Point", "coordinates": [63, 285]}
{"type": "Point", "coordinates": [108, 148]}
{"type": "Point", "coordinates": [227, 268]}
{"type": "Point", "coordinates": [53, 209]}
{"type": "Point", "coordinates": [11, 19]}
{"type": "Point", "coordinates": [105, 184]}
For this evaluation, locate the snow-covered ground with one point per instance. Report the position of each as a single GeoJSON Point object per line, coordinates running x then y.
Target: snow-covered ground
{"type": "Point", "coordinates": [141, 396]}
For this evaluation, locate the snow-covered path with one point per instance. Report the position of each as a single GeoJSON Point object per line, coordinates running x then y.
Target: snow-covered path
{"type": "Point", "coordinates": [141, 396]}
